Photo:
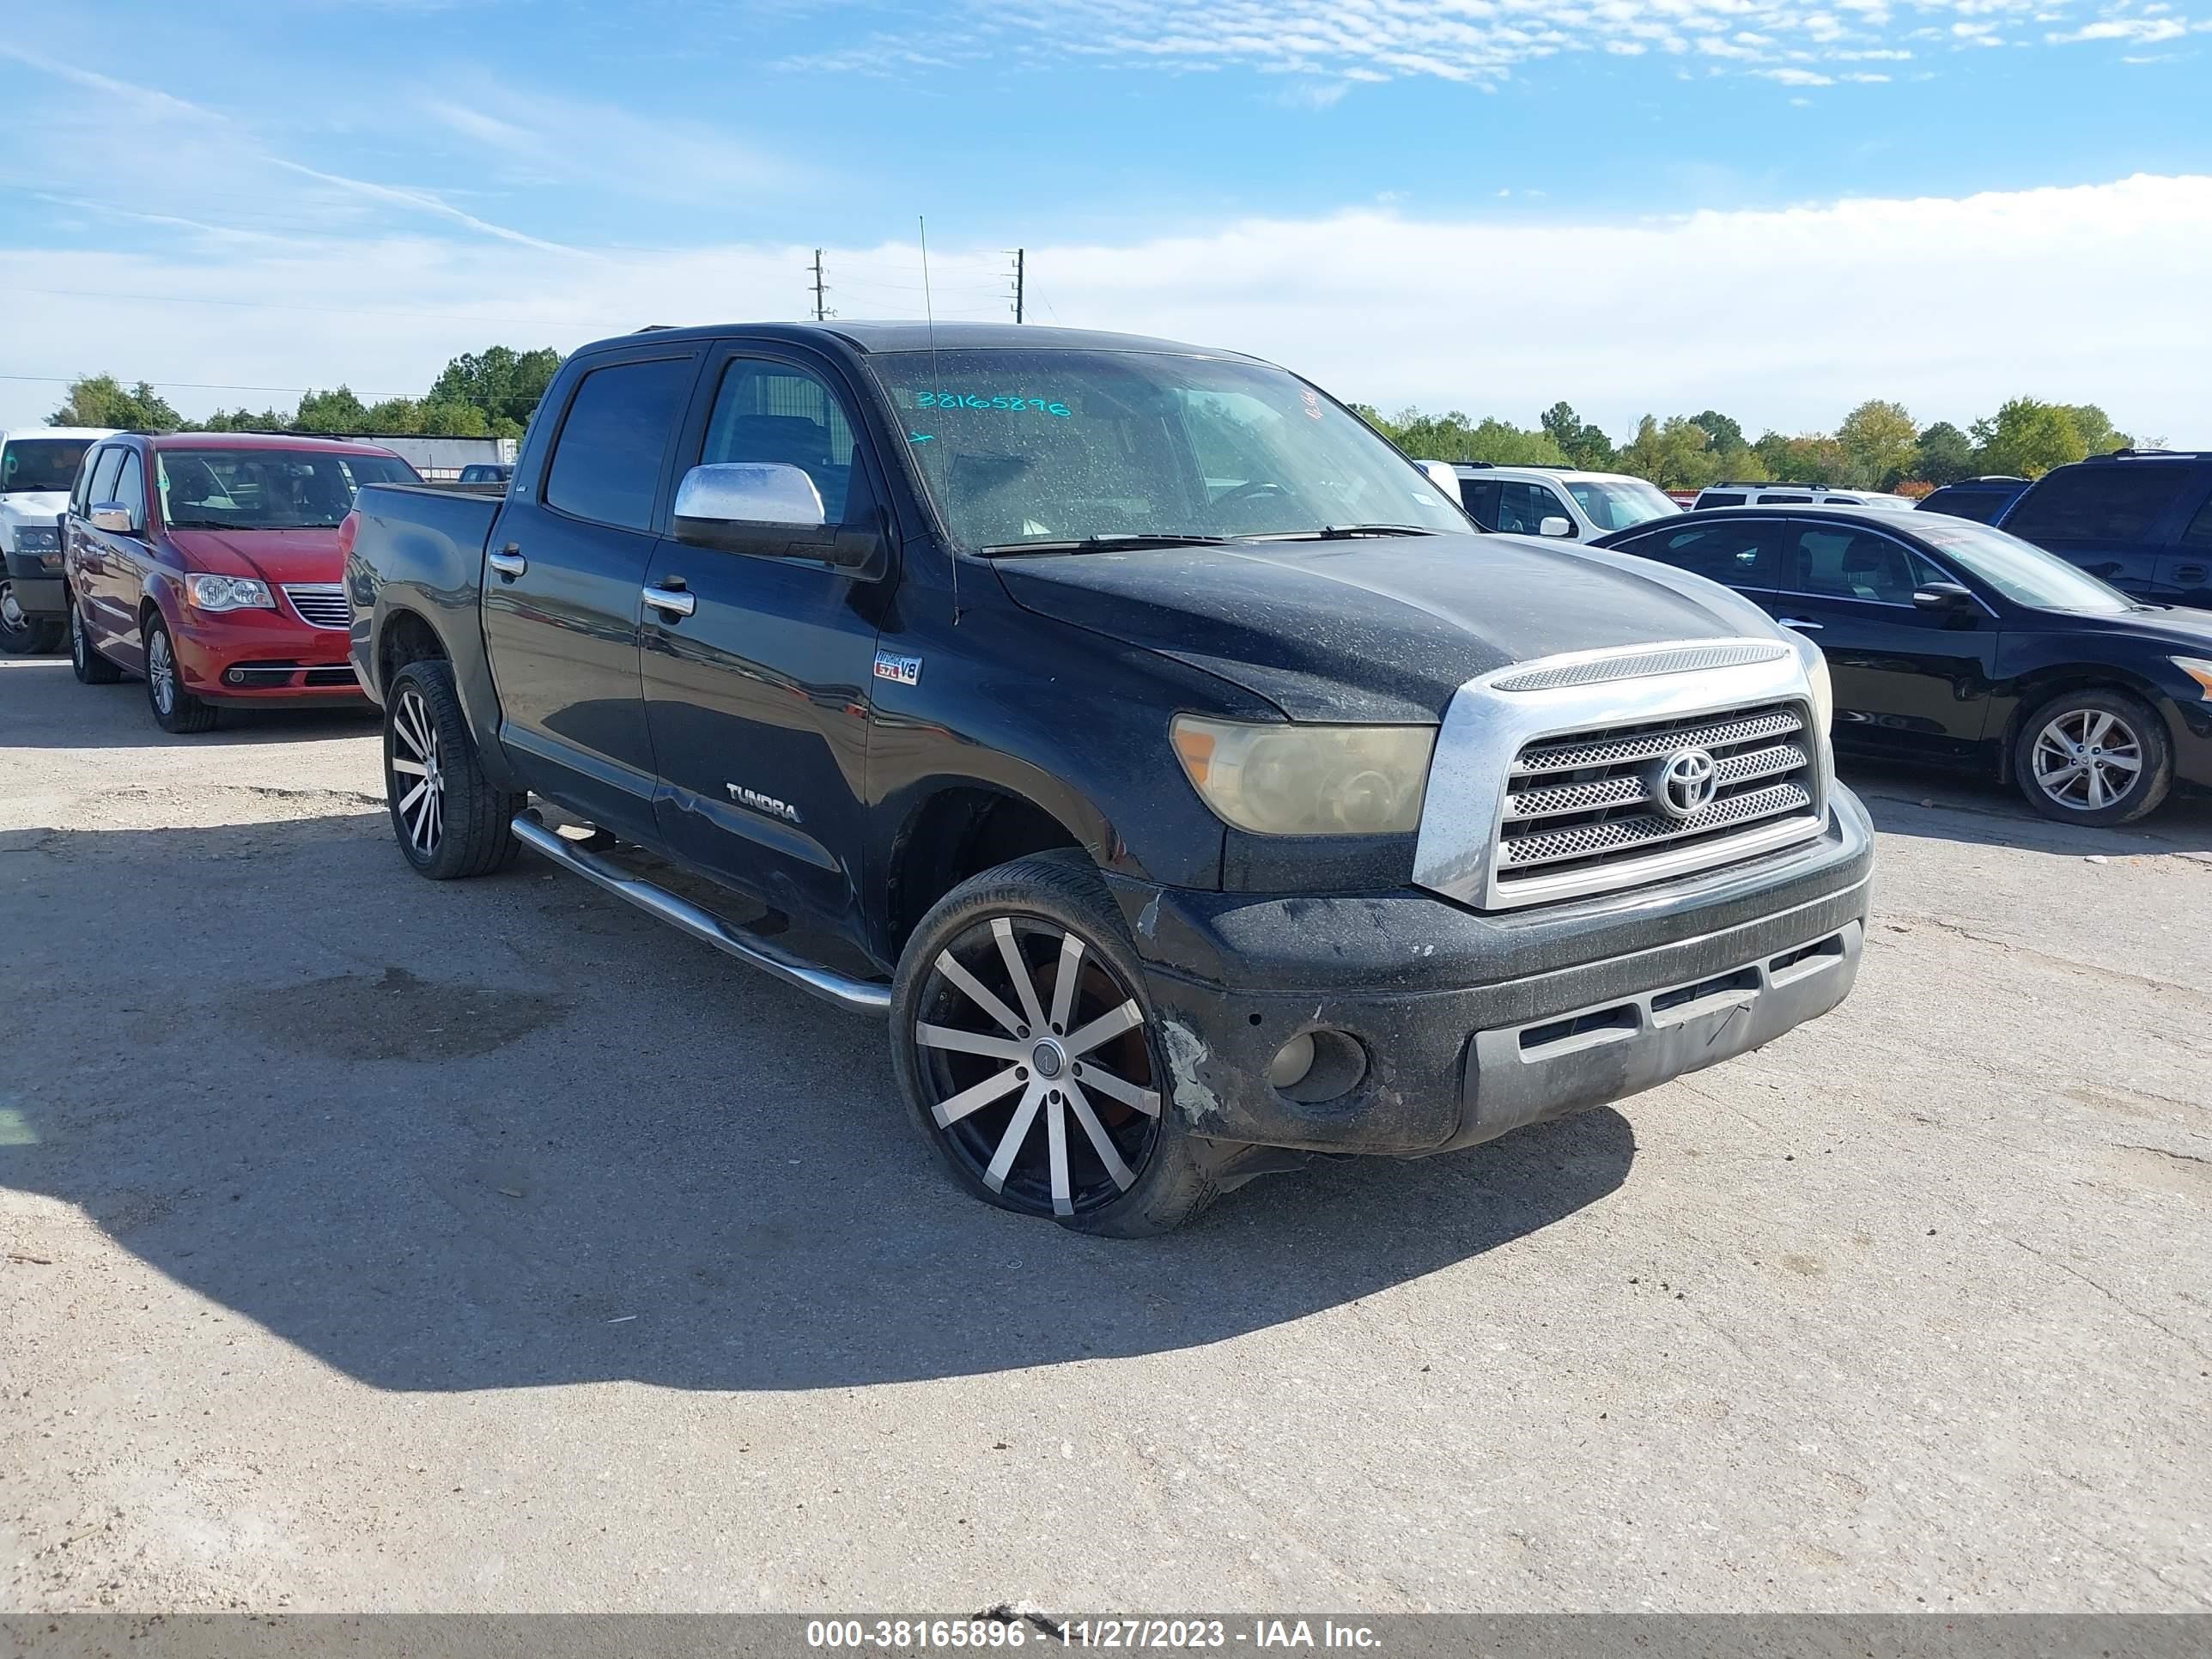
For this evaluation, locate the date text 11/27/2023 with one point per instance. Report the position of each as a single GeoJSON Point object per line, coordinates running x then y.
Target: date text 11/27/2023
{"type": "Point", "coordinates": [977, 400]}
{"type": "Point", "coordinates": [998, 1629]}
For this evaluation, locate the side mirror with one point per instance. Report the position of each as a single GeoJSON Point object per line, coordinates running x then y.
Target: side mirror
{"type": "Point", "coordinates": [1943, 596]}
{"type": "Point", "coordinates": [769, 509]}
{"type": "Point", "coordinates": [1440, 474]}
{"type": "Point", "coordinates": [113, 517]}
{"type": "Point", "coordinates": [1556, 525]}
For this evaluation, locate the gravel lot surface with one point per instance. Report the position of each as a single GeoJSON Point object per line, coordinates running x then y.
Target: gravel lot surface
{"type": "Point", "coordinates": [368, 1243]}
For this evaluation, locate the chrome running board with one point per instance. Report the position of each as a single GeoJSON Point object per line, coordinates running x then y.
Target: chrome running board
{"type": "Point", "coordinates": [861, 996]}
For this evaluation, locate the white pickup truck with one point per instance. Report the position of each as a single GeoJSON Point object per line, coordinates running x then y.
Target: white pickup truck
{"type": "Point", "coordinates": [37, 469]}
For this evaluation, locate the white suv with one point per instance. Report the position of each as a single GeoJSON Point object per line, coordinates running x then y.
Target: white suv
{"type": "Point", "coordinates": [1795, 495]}
{"type": "Point", "coordinates": [1543, 500]}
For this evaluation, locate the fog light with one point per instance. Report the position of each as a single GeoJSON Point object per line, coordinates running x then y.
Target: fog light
{"type": "Point", "coordinates": [236, 676]}
{"type": "Point", "coordinates": [1291, 1061]}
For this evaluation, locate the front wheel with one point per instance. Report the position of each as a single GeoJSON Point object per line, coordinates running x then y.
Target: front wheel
{"type": "Point", "coordinates": [450, 821]}
{"type": "Point", "coordinates": [22, 635]}
{"type": "Point", "coordinates": [2093, 757]}
{"type": "Point", "coordinates": [1030, 1058]}
{"type": "Point", "coordinates": [175, 709]}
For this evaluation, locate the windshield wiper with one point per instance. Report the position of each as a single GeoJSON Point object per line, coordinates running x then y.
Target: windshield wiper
{"type": "Point", "coordinates": [1114, 542]}
{"type": "Point", "coordinates": [1341, 532]}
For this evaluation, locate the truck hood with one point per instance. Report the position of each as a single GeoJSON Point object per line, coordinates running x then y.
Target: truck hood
{"type": "Point", "coordinates": [40, 506]}
{"type": "Point", "coordinates": [275, 555]}
{"type": "Point", "coordinates": [1376, 628]}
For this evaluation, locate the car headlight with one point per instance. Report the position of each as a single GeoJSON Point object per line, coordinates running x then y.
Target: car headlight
{"type": "Point", "coordinates": [1279, 780]}
{"type": "Point", "coordinates": [2199, 670]}
{"type": "Point", "coordinates": [1816, 675]}
{"type": "Point", "coordinates": [37, 538]}
{"type": "Point", "coordinates": [229, 594]}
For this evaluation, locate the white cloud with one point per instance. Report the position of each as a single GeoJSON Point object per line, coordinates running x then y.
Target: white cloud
{"type": "Point", "coordinates": [1785, 318]}
{"type": "Point", "coordinates": [1476, 41]}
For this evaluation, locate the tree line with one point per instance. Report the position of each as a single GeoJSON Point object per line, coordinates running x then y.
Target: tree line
{"type": "Point", "coordinates": [480, 394]}
{"type": "Point", "coordinates": [1878, 446]}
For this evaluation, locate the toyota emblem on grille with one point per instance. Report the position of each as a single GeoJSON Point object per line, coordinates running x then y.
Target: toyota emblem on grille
{"type": "Point", "coordinates": [1685, 783]}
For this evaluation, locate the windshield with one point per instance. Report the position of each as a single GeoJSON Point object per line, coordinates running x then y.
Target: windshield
{"type": "Point", "coordinates": [46, 464]}
{"type": "Point", "coordinates": [267, 488]}
{"type": "Point", "coordinates": [1617, 505]}
{"type": "Point", "coordinates": [2024, 573]}
{"type": "Point", "coordinates": [1019, 446]}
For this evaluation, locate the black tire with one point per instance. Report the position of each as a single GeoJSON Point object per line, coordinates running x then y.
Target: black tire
{"type": "Point", "coordinates": [459, 826]}
{"type": "Point", "coordinates": [2110, 739]}
{"type": "Point", "coordinates": [175, 709]}
{"type": "Point", "coordinates": [22, 635]}
{"type": "Point", "coordinates": [91, 668]}
{"type": "Point", "coordinates": [1056, 1166]}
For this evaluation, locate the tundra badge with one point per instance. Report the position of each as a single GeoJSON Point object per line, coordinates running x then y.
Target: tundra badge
{"type": "Point", "coordinates": [760, 802]}
{"type": "Point", "coordinates": [903, 670]}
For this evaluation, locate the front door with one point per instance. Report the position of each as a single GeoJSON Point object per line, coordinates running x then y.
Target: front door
{"type": "Point", "coordinates": [1909, 683]}
{"type": "Point", "coordinates": [758, 697]}
{"type": "Point", "coordinates": [103, 570]}
{"type": "Point", "coordinates": [561, 583]}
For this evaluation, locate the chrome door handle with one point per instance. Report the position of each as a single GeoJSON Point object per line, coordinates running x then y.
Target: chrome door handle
{"type": "Point", "coordinates": [673, 600]}
{"type": "Point", "coordinates": [509, 564]}
{"type": "Point", "coordinates": [1801, 625]}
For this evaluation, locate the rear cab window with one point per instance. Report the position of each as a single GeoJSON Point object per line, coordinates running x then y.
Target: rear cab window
{"type": "Point", "coordinates": [613, 445]}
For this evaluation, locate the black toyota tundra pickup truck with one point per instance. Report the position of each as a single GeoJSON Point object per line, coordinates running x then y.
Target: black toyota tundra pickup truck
{"type": "Point", "coordinates": [1162, 752]}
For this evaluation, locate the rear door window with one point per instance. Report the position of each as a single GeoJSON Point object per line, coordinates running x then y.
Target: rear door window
{"type": "Point", "coordinates": [607, 460]}
{"type": "Point", "coordinates": [2198, 536]}
{"type": "Point", "coordinates": [2115, 501]}
{"type": "Point", "coordinates": [1738, 552]}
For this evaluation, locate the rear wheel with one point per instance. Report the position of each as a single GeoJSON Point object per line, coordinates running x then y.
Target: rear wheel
{"type": "Point", "coordinates": [2093, 757]}
{"type": "Point", "coordinates": [91, 668]}
{"type": "Point", "coordinates": [449, 820]}
{"type": "Point", "coordinates": [20, 634]}
{"type": "Point", "coordinates": [175, 709]}
{"type": "Point", "coordinates": [1030, 1060]}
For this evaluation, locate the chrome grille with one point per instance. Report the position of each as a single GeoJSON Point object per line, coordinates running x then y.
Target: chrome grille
{"type": "Point", "coordinates": [320, 604]}
{"type": "Point", "coordinates": [1579, 810]}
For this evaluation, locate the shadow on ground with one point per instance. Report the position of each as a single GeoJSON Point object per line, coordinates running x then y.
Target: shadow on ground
{"type": "Point", "coordinates": [509, 1133]}
{"type": "Point", "coordinates": [42, 706]}
{"type": "Point", "coordinates": [1938, 805]}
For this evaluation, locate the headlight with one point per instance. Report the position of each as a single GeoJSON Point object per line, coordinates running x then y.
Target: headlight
{"type": "Point", "coordinates": [2198, 670]}
{"type": "Point", "coordinates": [229, 594]}
{"type": "Point", "coordinates": [1816, 672]}
{"type": "Point", "coordinates": [37, 538]}
{"type": "Point", "coordinates": [1308, 780]}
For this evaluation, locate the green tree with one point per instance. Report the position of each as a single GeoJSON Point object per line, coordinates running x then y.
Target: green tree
{"type": "Point", "coordinates": [1942, 454]}
{"type": "Point", "coordinates": [1726, 434]}
{"type": "Point", "coordinates": [2099, 436]}
{"type": "Point", "coordinates": [1813, 458]}
{"type": "Point", "coordinates": [1676, 453]}
{"type": "Point", "coordinates": [502, 382]}
{"type": "Point", "coordinates": [1878, 439]}
{"type": "Point", "coordinates": [1582, 444]}
{"type": "Point", "coordinates": [1456, 437]}
{"type": "Point", "coordinates": [2028, 438]}
{"type": "Point", "coordinates": [102, 400]}
{"type": "Point", "coordinates": [337, 412]}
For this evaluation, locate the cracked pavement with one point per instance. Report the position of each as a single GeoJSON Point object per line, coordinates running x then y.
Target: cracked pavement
{"type": "Point", "coordinates": [368, 1244]}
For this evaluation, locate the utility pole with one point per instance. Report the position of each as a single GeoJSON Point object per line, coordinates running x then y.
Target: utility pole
{"type": "Point", "coordinates": [822, 313]}
{"type": "Point", "coordinates": [1019, 254]}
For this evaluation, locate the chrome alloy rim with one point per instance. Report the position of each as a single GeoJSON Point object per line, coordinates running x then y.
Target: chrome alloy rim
{"type": "Point", "coordinates": [2087, 758]}
{"type": "Point", "coordinates": [1039, 1073]}
{"type": "Point", "coordinates": [162, 671]}
{"type": "Point", "coordinates": [76, 637]}
{"type": "Point", "coordinates": [414, 755]}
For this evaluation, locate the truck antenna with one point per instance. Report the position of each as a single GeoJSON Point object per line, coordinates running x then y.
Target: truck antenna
{"type": "Point", "coordinates": [929, 318]}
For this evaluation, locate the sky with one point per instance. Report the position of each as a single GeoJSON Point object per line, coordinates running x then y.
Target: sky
{"type": "Point", "coordinates": [1774, 208]}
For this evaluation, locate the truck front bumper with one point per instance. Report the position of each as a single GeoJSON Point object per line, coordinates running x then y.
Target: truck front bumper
{"type": "Point", "coordinates": [1445, 1026]}
{"type": "Point", "coordinates": [37, 586]}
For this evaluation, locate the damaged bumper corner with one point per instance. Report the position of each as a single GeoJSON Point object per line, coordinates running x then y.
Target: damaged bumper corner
{"type": "Point", "coordinates": [1446, 1027]}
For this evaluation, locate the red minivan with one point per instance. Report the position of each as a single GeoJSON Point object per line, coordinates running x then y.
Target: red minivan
{"type": "Point", "coordinates": [207, 562]}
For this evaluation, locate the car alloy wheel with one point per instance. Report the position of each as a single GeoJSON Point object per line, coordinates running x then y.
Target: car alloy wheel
{"type": "Point", "coordinates": [415, 756]}
{"type": "Point", "coordinates": [1035, 1067]}
{"type": "Point", "coordinates": [77, 647]}
{"type": "Point", "coordinates": [161, 670]}
{"type": "Point", "coordinates": [12, 619]}
{"type": "Point", "coordinates": [2087, 759]}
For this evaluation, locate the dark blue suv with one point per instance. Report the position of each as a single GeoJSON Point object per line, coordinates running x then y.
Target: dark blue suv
{"type": "Point", "coordinates": [2140, 519]}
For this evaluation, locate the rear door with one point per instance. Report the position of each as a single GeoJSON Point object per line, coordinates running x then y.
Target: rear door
{"type": "Point", "coordinates": [1909, 683]}
{"type": "Point", "coordinates": [2114, 518]}
{"type": "Point", "coordinates": [758, 697]}
{"type": "Point", "coordinates": [563, 590]}
{"type": "Point", "coordinates": [2185, 570]}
